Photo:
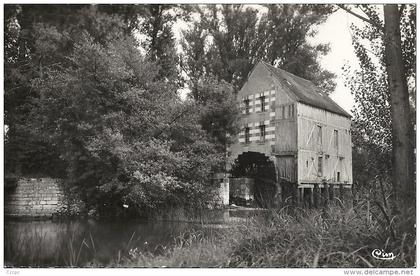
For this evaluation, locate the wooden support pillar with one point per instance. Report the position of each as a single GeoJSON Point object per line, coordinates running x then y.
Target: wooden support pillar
{"type": "Point", "coordinates": [280, 196]}
{"type": "Point", "coordinates": [311, 198]}
{"type": "Point", "coordinates": [341, 189]}
{"type": "Point", "coordinates": [326, 194]}
{"type": "Point", "coordinates": [287, 192]}
{"type": "Point", "coordinates": [315, 195]}
{"type": "Point", "coordinates": [302, 199]}
{"type": "Point", "coordinates": [295, 195]}
{"type": "Point", "coordinates": [284, 195]}
{"type": "Point", "coordinates": [331, 190]}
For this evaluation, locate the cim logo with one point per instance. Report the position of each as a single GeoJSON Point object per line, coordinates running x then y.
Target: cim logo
{"type": "Point", "coordinates": [380, 254]}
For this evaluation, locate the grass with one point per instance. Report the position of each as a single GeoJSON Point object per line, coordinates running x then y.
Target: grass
{"type": "Point", "coordinates": [335, 236]}
{"type": "Point", "coordinates": [332, 237]}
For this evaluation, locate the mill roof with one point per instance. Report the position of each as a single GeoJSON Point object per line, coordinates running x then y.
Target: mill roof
{"type": "Point", "coordinates": [306, 91]}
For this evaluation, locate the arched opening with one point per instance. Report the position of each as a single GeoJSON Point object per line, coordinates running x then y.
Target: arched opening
{"type": "Point", "coordinates": [259, 167]}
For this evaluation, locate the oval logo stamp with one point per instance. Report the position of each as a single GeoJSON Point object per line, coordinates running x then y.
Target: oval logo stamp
{"type": "Point", "coordinates": [380, 254]}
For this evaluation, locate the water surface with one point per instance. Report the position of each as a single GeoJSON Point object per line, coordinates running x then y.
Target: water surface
{"type": "Point", "coordinates": [89, 242]}
{"type": "Point", "coordinates": [46, 243]}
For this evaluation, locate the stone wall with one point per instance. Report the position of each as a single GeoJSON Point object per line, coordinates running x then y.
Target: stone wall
{"type": "Point", "coordinates": [222, 193]}
{"type": "Point", "coordinates": [34, 197]}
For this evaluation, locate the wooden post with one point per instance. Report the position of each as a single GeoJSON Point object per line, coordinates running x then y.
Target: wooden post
{"type": "Point", "coordinates": [326, 194]}
{"type": "Point", "coordinates": [331, 191]}
{"type": "Point", "coordinates": [341, 189]}
{"type": "Point", "coordinates": [311, 198]}
{"type": "Point", "coordinates": [280, 195]}
{"type": "Point", "coordinates": [316, 195]}
{"type": "Point", "coordinates": [301, 199]}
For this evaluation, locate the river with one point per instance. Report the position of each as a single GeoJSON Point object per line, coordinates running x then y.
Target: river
{"type": "Point", "coordinates": [64, 243]}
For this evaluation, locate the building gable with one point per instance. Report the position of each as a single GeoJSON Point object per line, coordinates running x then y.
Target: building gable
{"type": "Point", "coordinates": [260, 81]}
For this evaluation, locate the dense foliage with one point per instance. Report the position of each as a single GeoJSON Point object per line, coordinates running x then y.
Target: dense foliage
{"type": "Point", "coordinates": [115, 123]}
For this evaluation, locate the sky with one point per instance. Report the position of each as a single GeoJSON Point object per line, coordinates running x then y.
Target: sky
{"type": "Point", "coordinates": [336, 32]}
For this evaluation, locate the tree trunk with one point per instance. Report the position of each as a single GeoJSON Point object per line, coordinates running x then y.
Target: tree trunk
{"type": "Point", "coordinates": [402, 128]}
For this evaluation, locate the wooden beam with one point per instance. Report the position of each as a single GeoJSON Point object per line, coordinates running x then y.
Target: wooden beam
{"type": "Point", "coordinates": [285, 153]}
{"type": "Point", "coordinates": [310, 134]}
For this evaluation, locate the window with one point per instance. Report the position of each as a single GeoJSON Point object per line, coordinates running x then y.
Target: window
{"type": "Point", "coordinates": [338, 176]}
{"type": "Point", "coordinates": [319, 140]}
{"type": "Point", "coordinates": [247, 135]}
{"type": "Point", "coordinates": [262, 132]}
{"type": "Point", "coordinates": [262, 98]}
{"type": "Point", "coordinates": [335, 139]}
{"type": "Point", "coordinates": [246, 106]}
{"type": "Point", "coordinates": [320, 166]}
{"type": "Point", "coordinates": [290, 109]}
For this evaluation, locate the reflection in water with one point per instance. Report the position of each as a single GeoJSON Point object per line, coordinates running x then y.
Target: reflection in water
{"type": "Point", "coordinates": [73, 243]}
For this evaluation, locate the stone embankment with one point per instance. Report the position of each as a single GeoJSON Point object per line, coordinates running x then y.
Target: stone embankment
{"type": "Point", "coordinates": [34, 197]}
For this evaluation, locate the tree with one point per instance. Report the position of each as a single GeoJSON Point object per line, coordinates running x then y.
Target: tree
{"type": "Point", "coordinates": [402, 128]}
{"type": "Point", "coordinates": [113, 125]}
{"type": "Point", "coordinates": [120, 129]}
{"type": "Point", "coordinates": [371, 123]}
{"type": "Point", "coordinates": [156, 25]}
{"type": "Point", "coordinates": [218, 111]}
{"type": "Point", "coordinates": [39, 37]}
{"type": "Point", "coordinates": [384, 105]}
{"type": "Point", "coordinates": [229, 40]}
{"type": "Point", "coordinates": [24, 154]}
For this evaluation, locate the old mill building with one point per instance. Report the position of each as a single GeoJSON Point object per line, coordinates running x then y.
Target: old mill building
{"type": "Point", "coordinates": [304, 132]}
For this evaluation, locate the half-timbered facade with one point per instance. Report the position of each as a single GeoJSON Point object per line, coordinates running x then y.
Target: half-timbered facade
{"type": "Point", "coordinates": [304, 132]}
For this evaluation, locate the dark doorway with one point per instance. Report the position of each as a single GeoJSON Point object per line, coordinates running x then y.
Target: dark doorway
{"type": "Point", "coordinates": [258, 166]}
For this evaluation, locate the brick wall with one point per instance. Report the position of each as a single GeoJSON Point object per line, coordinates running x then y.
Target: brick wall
{"type": "Point", "coordinates": [34, 197]}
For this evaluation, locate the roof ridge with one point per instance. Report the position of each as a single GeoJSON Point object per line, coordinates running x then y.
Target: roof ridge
{"type": "Point", "coordinates": [311, 94]}
{"type": "Point", "coordinates": [288, 73]}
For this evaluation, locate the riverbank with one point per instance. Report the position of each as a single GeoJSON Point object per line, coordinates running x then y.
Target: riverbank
{"type": "Point", "coordinates": [290, 237]}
